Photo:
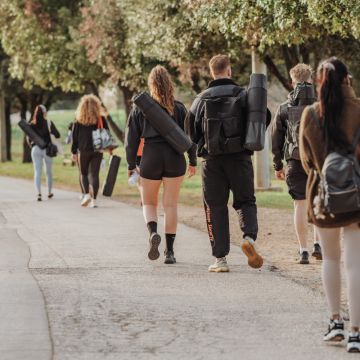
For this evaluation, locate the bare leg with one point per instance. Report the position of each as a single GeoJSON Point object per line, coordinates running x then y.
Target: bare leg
{"type": "Point", "coordinates": [300, 221]}
{"type": "Point", "coordinates": [170, 200]}
{"type": "Point", "coordinates": [149, 197]}
{"type": "Point", "coordinates": [330, 243]}
{"type": "Point", "coordinates": [352, 269]}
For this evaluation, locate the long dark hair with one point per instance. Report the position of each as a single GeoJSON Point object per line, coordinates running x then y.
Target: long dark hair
{"type": "Point", "coordinates": [38, 118]}
{"type": "Point", "coordinates": [331, 74]}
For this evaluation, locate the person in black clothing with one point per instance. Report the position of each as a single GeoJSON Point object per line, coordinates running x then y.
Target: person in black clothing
{"type": "Point", "coordinates": [160, 163]}
{"type": "Point", "coordinates": [89, 117]}
{"type": "Point", "coordinates": [43, 128]}
{"type": "Point", "coordinates": [226, 164]}
{"type": "Point", "coordinates": [285, 146]}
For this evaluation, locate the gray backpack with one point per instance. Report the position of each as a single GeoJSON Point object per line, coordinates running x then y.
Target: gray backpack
{"type": "Point", "coordinates": [339, 186]}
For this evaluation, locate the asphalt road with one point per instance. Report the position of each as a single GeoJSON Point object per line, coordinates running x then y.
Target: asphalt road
{"type": "Point", "coordinates": [76, 284]}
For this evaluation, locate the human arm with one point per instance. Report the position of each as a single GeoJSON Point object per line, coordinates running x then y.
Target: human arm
{"type": "Point", "coordinates": [132, 137]}
{"type": "Point", "coordinates": [75, 139]}
{"type": "Point", "coordinates": [54, 130]}
{"type": "Point", "coordinates": [304, 141]}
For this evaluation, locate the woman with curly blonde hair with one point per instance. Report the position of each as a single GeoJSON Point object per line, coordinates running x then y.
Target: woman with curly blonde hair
{"type": "Point", "coordinates": [160, 163]}
{"type": "Point", "coordinates": [89, 117]}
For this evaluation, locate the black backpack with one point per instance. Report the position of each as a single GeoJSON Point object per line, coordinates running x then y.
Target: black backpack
{"type": "Point", "coordinates": [339, 181]}
{"type": "Point", "coordinates": [305, 96]}
{"type": "Point", "coordinates": [224, 123]}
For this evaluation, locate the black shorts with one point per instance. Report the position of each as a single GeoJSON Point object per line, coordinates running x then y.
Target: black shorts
{"type": "Point", "coordinates": [296, 179]}
{"type": "Point", "coordinates": [160, 160]}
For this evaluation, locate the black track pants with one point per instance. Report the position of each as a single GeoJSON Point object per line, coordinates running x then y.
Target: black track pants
{"type": "Point", "coordinates": [220, 175]}
{"type": "Point", "coordinates": [90, 163]}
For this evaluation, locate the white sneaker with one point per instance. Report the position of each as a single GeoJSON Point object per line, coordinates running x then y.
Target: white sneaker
{"type": "Point", "coordinates": [220, 265]}
{"type": "Point", "coordinates": [93, 203]}
{"type": "Point", "coordinates": [353, 345]}
{"type": "Point", "coordinates": [336, 331]}
{"type": "Point", "coordinates": [86, 200]}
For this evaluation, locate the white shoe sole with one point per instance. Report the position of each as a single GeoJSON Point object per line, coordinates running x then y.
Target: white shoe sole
{"type": "Point", "coordinates": [335, 336]}
{"type": "Point", "coordinates": [219, 269]}
{"type": "Point", "coordinates": [86, 202]}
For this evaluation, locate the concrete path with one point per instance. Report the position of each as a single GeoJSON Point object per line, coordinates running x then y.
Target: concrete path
{"type": "Point", "coordinates": [105, 300]}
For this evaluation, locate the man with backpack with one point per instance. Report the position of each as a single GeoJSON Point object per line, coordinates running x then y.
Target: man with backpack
{"type": "Point", "coordinates": [216, 122]}
{"type": "Point", "coordinates": [285, 146]}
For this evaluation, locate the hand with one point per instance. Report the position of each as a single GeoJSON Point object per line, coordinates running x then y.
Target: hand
{"type": "Point", "coordinates": [130, 172]}
{"type": "Point", "coordinates": [74, 157]}
{"type": "Point", "coordinates": [191, 171]}
{"type": "Point", "coordinates": [280, 174]}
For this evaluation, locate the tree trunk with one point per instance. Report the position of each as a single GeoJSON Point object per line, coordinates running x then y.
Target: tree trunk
{"type": "Point", "coordinates": [113, 126]}
{"type": "Point", "coordinates": [115, 129]}
{"type": "Point", "coordinates": [128, 94]}
{"type": "Point", "coordinates": [3, 146]}
{"type": "Point", "coordinates": [262, 173]}
{"type": "Point", "coordinates": [8, 128]}
{"type": "Point", "coordinates": [195, 80]}
{"type": "Point", "coordinates": [275, 71]}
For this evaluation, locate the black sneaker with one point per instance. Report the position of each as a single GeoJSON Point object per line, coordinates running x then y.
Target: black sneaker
{"type": "Point", "coordinates": [353, 345]}
{"type": "Point", "coordinates": [39, 197]}
{"type": "Point", "coordinates": [154, 240]}
{"type": "Point", "coordinates": [335, 331]}
{"type": "Point", "coordinates": [304, 258]}
{"type": "Point", "coordinates": [169, 257]}
{"type": "Point", "coordinates": [317, 254]}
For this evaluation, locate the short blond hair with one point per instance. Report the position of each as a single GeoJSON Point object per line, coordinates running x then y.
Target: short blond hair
{"type": "Point", "coordinates": [89, 110]}
{"type": "Point", "coordinates": [218, 64]}
{"type": "Point", "coordinates": [301, 73]}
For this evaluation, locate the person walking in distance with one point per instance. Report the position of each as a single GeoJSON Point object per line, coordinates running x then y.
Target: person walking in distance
{"type": "Point", "coordinates": [227, 166]}
{"type": "Point", "coordinates": [330, 129]}
{"type": "Point", "coordinates": [285, 146]}
{"type": "Point", "coordinates": [43, 127]}
{"type": "Point", "coordinates": [88, 116]}
{"type": "Point", "coordinates": [160, 163]}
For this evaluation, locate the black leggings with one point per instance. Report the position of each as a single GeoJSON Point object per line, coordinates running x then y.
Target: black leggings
{"type": "Point", "coordinates": [90, 163]}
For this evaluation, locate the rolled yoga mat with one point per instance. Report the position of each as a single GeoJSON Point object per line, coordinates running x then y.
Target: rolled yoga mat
{"type": "Point", "coordinates": [111, 176]}
{"type": "Point", "coordinates": [32, 134]}
{"type": "Point", "coordinates": [163, 123]}
{"type": "Point", "coordinates": [257, 112]}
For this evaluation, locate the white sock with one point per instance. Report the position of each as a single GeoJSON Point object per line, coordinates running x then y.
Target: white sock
{"type": "Point", "coordinates": [303, 250]}
{"type": "Point", "coordinates": [248, 238]}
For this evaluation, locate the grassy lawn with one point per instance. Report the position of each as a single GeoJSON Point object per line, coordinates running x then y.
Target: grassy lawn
{"type": "Point", "coordinates": [67, 176]}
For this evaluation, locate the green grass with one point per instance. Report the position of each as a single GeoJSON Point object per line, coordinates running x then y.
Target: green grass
{"type": "Point", "coordinates": [67, 176]}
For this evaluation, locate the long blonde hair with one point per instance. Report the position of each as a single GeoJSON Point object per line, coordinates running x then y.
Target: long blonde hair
{"type": "Point", "coordinates": [89, 110]}
{"type": "Point", "coordinates": [162, 88]}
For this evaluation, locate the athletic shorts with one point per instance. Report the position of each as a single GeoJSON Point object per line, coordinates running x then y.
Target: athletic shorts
{"type": "Point", "coordinates": [160, 160]}
{"type": "Point", "coordinates": [296, 179]}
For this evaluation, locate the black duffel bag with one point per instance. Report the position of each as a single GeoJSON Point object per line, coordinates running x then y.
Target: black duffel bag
{"type": "Point", "coordinates": [163, 123]}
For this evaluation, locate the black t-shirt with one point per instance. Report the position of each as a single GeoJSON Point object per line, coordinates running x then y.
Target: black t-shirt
{"type": "Point", "coordinates": [82, 137]}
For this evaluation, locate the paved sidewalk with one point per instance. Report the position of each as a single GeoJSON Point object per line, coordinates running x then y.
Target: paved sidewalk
{"type": "Point", "coordinates": [105, 300]}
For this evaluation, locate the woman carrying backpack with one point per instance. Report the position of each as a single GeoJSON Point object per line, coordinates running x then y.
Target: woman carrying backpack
{"type": "Point", "coordinates": [43, 128]}
{"type": "Point", "coordinates": [88, 118]}
{"type": "Point", "coordinates": [332, 126]}
{"type": "Point", "coordinates": [160, 163]}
